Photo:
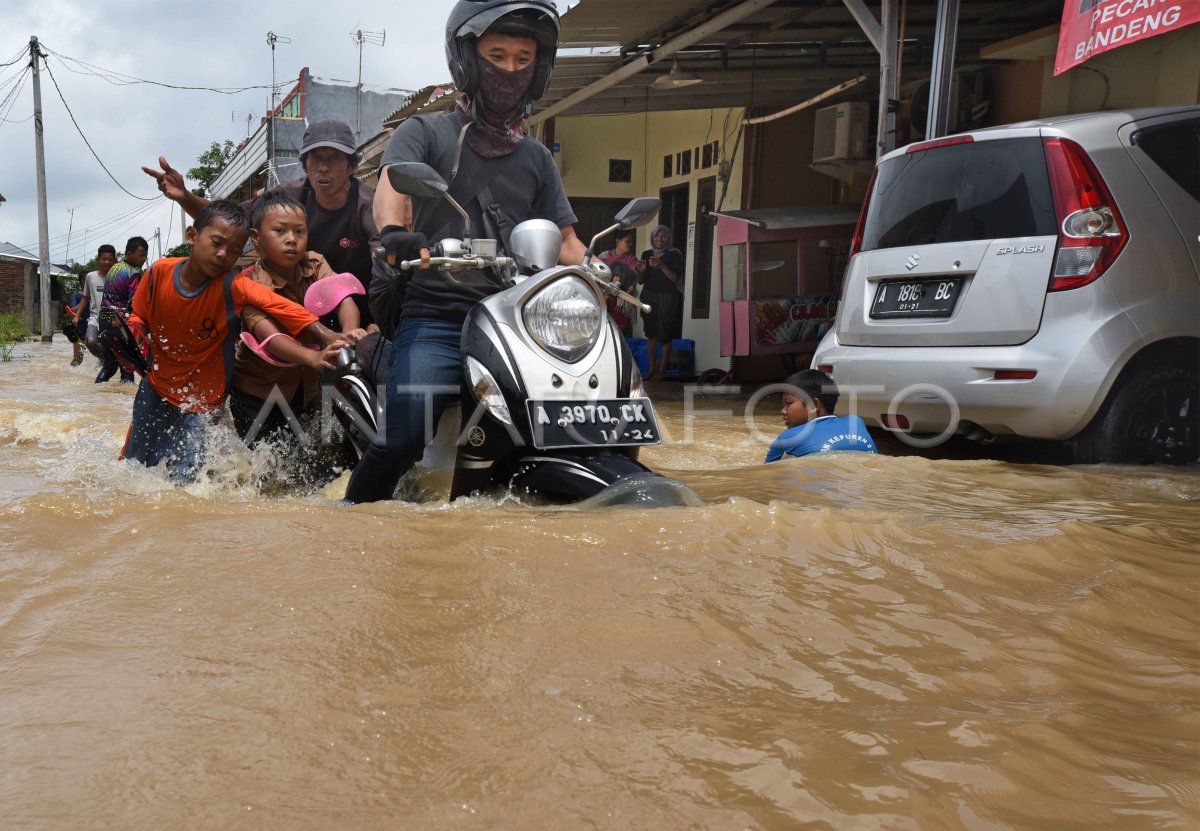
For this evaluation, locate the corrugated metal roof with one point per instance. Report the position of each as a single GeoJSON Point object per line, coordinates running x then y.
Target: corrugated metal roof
{"type": "Point", "coordinates": [432, 98]}
{"type": "Point", "coordinates": [592, 24]}
{"type": "Point", "coordinates": [772, 54]}
{"type": "Point", "coordinates": [10, 251]}
{"type": "Point", "coordinates": [775, 56]}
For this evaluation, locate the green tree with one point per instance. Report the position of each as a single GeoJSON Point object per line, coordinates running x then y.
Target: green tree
{"type": "Point", "coordinates": [211, 162]}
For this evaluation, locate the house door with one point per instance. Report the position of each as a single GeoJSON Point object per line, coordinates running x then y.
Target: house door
{"type": "Point", "coordinates": [595, 214]}
{"type": "Point", "coordinates": [674, 214]}
{"type": "Point", "coordinates": [706, 194]}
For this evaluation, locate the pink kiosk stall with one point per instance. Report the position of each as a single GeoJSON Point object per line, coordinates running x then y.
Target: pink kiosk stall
{"type": "Point", "coordinates": [781, 275]}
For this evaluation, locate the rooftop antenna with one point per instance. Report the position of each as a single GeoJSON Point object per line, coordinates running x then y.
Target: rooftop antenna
{"type": "Point", "coordinates": [246, 117]}
{"type": "Point", "coordinates": [272, 174]}
{"type": "Point", "coordinates": [360, 37]}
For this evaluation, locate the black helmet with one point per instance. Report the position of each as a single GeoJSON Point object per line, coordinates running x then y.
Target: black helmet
{"type": "Point", "coordinates": [469, 19]}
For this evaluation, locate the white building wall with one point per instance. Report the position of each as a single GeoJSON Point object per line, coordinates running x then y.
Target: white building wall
{"type": "Point", "coordinates": [585, 145]}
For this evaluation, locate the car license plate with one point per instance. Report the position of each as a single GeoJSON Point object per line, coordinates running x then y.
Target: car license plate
{"type": "Point", "coordinates": [613, 422]}
{"type": "Point", "coordinates": [920, 298]}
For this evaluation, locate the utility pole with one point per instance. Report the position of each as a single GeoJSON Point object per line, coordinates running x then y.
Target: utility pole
{"type": "Point", "coordinates": [35, 55]}
{"type": "Point", "coordinates": [70, 225]}
{"type": "Point", "coordinates": [360, 37]}
{"type": "Point", "coordinates": [272, 174]}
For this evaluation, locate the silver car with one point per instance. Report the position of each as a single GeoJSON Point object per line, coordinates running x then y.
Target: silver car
{"type": "Point", "coordinates": [1039, 280]}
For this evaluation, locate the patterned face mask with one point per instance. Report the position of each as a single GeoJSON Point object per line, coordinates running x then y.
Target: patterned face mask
{"type": "Point", "coordinates": [502, 93]}
{"type": "Point", "coordinates": [497, 110]}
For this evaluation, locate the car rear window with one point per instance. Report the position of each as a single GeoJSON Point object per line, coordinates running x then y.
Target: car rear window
{"type": "Point", "coordinates": [982, 190]}
{"type": "Point", "coordinates": [1176, 149]}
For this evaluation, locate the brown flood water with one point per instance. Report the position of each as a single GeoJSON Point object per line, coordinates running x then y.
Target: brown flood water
{"type": "Point", "coordinates": [859, 642]}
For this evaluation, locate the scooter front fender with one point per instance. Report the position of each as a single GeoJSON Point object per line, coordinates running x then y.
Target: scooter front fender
{"type": "Point", "coordinates": [600, 479]}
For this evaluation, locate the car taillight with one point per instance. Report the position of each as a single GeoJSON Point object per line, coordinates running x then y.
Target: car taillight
{"type": "Point", "coordinates": [1091, 231]}
{"type": "Point", "coordinates": [856, 244]}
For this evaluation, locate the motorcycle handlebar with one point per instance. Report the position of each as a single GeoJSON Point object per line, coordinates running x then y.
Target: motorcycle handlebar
{"type": "Point", "coordinates": [601, 274]}
{"type": "Point", "coordinates": [458, 263]}
{"type": "Point", "coordinates": [598, 271]}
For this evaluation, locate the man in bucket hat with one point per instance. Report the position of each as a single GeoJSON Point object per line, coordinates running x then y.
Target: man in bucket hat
{"type": "Point", "coordinates": [341, 227]}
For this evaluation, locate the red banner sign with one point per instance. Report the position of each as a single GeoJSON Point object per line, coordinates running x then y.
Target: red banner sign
{"type": "Point", "coordinates": [1090, 27]}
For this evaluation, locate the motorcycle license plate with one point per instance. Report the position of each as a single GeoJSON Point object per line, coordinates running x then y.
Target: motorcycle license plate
{"type": "Point", "coordinates": [919, 298]}
{"type": "Point", "coordinates": [612, 422]}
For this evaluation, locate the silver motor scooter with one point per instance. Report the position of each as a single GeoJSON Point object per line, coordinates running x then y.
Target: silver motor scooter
{"type": "Point", "coordinates": [552, 402]}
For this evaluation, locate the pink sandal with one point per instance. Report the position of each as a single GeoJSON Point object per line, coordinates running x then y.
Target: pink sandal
{"type": "Point", "coordinates": [259, 348]}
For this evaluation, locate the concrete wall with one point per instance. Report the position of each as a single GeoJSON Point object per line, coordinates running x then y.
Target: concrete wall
{"type": "Point", "coordinates": [586, 143]}
{"type": "Point", "coordinates": [779, 154]}
{"type": "Point", "coordinates": [322, 98]}
{"type": "Point", "coordinates": [1159, 71]}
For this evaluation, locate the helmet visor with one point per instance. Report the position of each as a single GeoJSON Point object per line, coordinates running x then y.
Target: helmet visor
{"type": "Point", "coordinates": [484, 20]}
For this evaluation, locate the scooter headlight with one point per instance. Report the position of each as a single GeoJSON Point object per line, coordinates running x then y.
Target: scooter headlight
{"type": "Point", "coordinates": [565, 318]}
{"type": "Point", "coordinates": [487, 391]}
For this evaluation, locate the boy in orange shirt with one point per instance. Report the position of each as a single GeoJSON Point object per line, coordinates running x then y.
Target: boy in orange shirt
{"type": "Point", "coordinates": [189, 310]}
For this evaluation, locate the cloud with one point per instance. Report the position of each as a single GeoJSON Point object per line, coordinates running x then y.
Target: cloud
{"type": "Point", "coordinates": [215, 44]}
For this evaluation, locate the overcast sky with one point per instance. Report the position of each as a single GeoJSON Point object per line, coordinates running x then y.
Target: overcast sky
{"type": "Point", "coordinates": [217, 44]}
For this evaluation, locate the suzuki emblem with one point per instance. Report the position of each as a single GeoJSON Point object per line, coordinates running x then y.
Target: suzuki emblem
{"type": "Point", "coordinates": [914, 260]}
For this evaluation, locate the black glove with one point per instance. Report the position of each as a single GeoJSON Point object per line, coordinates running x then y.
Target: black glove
{"type": "Point", "coordinates": [401, 244]}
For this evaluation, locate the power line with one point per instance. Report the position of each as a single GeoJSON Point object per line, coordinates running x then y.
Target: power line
{"type": "Point", "coordinates": [88, 143]}
{"type": "Point", "coordinates": [15, 58]}
{"type": "Point", "coordinates": [120, 232]}
{"type": "Point", "coordinates": [13, 73]}
{"type": "Point", "coordinates": [13, 81]}
{"type": "Point", "coordinates": [10, 99]}
{"type": "Point", "coordinates": [109, 226]}
{"type": "Point", "coordinates": [121, 79]}
{"type": "Point", "coordinates": [105, 227]}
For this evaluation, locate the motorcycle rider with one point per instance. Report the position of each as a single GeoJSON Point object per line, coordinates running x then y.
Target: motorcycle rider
{"type": "Point", "coordinates": [501, 55]}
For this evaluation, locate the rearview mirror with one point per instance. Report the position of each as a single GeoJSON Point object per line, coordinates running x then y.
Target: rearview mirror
{"type": "Point", "coordinates": [416, 179]}
{"type": "Point", "coordinates": [638, 212]}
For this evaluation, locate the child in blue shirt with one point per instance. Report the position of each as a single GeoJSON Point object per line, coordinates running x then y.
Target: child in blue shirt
{"type": "Point", "coordinates": [812, 427]}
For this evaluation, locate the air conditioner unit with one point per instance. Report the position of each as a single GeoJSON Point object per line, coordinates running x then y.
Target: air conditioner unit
{"type": "Point", "coordinates": [841, 132]}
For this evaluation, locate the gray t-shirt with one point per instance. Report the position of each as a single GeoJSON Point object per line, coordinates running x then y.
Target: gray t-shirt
{"type": "Point", "coordinates": [93, 287]}
{"type": "Point", "coordinates": [524, 184]}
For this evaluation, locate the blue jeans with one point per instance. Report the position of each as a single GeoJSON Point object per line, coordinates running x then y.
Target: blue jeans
{"type": "Point", "coordinates": [425, 377]}
{"type": "Point", "coordinates": [161, 433]}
